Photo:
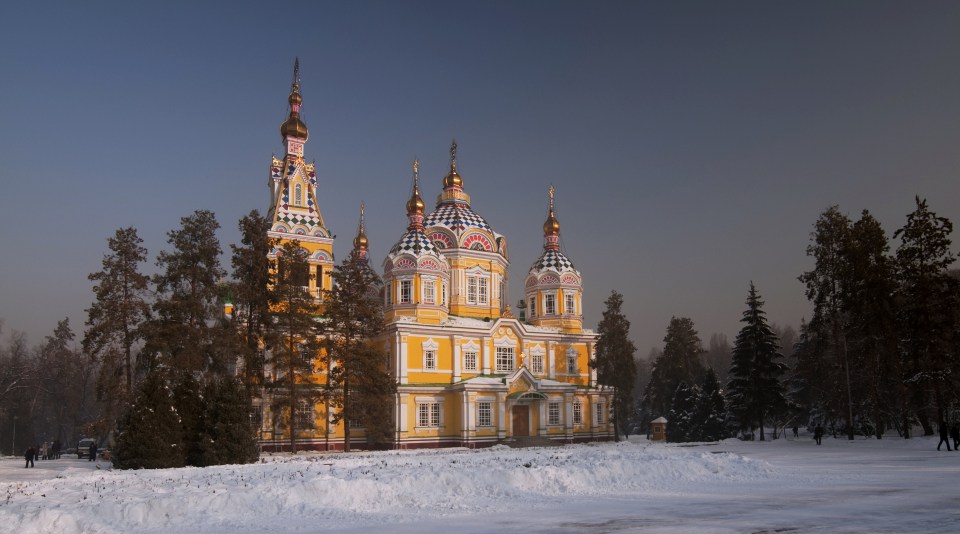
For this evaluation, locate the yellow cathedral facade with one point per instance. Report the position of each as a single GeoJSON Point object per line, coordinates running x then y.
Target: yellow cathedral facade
{"type": "Point", "coordinates": [468, 372]}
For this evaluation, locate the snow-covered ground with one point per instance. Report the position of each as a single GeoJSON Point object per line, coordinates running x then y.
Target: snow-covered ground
{"type": "Point", "coordinates": [866, 485]}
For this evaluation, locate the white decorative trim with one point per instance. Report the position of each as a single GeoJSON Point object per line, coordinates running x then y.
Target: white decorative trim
{"type": "Point", "coordinates": [430, 344]}
{"type": "Point", "coordinates": [504, 342]}
{"type": "Point", "coordinates": [470, 345]}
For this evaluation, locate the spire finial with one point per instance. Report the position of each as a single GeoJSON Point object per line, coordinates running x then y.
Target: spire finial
{"type": "Point", "coordinates": [415, 205]}
{"type": "Point", "coordinates": [362, 227]}
{"type": "Point", "coordinates": [296, 73]}
{"type": "Point", "coordinates": [453, 154]}
{"type": "Point", "coordinates": [552, 191]}
{"type": "Point", "coordinates": [551, 228]}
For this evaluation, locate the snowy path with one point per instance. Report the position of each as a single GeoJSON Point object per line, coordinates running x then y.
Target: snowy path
{"type": "Point", "coordinates": [890, 485]}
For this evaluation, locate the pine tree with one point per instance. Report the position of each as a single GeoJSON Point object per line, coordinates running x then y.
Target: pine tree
{"type": "Point", "coordinates": [251, 294]}
{"type": "Point", "coordinates": [682, 427]}
{"type": "Point", "coordinates": [711, 412]}
{"type": "Point", "coordinates": [292, 341]}
{"type": "Point", "coordinates": [755, 392]}
{"type": "Point", "coordinates": [188, 298]}
{"type": "Point", "coordinates": [360, 386]}
{"type": "Point", "coordinates": [228, 436]}
{"type": "Point", "coordinates": [114, 320]}
{"type": "Point", "coordinates": [150, 434]}
{"type": "Point", "coordinates": [614, 360]}
{"type": "Point", "coordinates": [828, 287]}
{"type": "Point", "coordinates": [679, 362]}
{"type": "Point", "coordinates": [190, 405]}
{"type": "Point", "coordinates": [928, 298]}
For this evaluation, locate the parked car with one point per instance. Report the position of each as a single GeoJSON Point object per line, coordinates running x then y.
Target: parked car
{"type": "Point", "coordinates": [83, 447]}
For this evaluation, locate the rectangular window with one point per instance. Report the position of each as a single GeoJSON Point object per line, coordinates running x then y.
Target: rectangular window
{"type": "Point", "coordinates": [256, 417]}
{"type": "Point", "coordinates": [572, 362]}
{"type": "Point", "coordinates": [482, 297]}
{"type": "Point", "coordinates": [533, 307]}
{"type": "Point", "coordinates": [471, 290]}
{"type": "Point", "coordinates": [470, 360]}
{"type": "Point", "coordinates": [406, 288]}
{"type": "Point", "coordinates": [553, 413]}
{"type": "Point", "coordinates": [536, 363]}
{"type": "Point", "coordinates": [577, 412]}
{"type": "Point", "coordinates": [550, 304]}
{"type": "Point", "coordinates": [428, 414]}
{"type": "Point", "coordinates": [429, 359]}
{"type": "Point", "coordinates": [303, 419]}
{"type": "Point", "coordinates": [484, 414]}
{"type": "Point", "coordinates": [389, 294]}
{"type": "Point", "coordinates": [600, 409]}
{"type": "Point", "coordinates": [306, 355]}
{"type": "Point", "coordinates": [429, 292]}
{"type": "Point", "coordinates": [443, 293]}
{"type": "Point", "coordinates": [504, 359]}
{"type": "Point", "coordinates": [569, 307]}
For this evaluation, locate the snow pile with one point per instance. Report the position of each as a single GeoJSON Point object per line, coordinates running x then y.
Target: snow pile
{"type": "Point", "coordinates": [333, 490]}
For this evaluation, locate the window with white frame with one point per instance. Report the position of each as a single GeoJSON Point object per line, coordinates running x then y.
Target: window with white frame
{"type": "Point", "coordinates": [477, 288]}
{"type": "Point", "coordinates": [428, 414]}
{"type": "Point", "coordinates": [484, 413]}
{"type": "Point", "coordinates": [505, 358]}
{"type": "Point", "coordinates": [482, 296]}
{"type": "Point", "coordinates": [429, 359]}
{"type": "Point", "coordinates": [600, 410]}
{"type": "Point", "coordinates": [470, 360]}
{"type": "Point", "coordinates": [550, 304]}
{"type": "Point", "coordinates": [536, 362]}
{"type": "Point", "coordinates": [306, 355]}
{"type": "Point", "coordinates": [298, 195]}
{"type": "Point", "coordinates": [471, 290]}
{"type": "Point", "coordinates": [569, 306]}
{"type": "Point", "coordinates": [256, 416]}
{"type": "Point", "coordinates": [578, 412]}
{"type": "Point", "coordinates": [553, 413]}
{"type": "Point", "coordinates": [572, 360]}
{"type": "Point", "coordinates": [429, 291]}
{"type": "Point", "coordinates": [406, 290]}
{"type": "Point", "coordinates": [303, 418]}
{"type": "Point", "coordinates": [443, 293]}
{"type": "Point", "coordinates": [533, 306]}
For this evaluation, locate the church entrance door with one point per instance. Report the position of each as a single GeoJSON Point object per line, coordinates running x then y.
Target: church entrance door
{"type": "Point", "coordinates": [521, 421]}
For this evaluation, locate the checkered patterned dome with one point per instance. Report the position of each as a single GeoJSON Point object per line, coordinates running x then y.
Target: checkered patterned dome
{"type": "Point", "coordinates": [415, 242]}
{"type": "Point", "coordinates": [457, 217]}
{"type": "Point", "coordinates": [553, 260]}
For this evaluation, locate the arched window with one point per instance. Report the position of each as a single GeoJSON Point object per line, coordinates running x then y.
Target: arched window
{"type": "Point", "coordinates": [298, 195]}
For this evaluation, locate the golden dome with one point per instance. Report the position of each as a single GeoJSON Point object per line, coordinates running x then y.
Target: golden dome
{"type": "Point", "coordinates": [294, 127]}
{"type": "Point", "coordinates": [415, 204]}
{"type": "Point", "coordinates": [295, 99]}
{"type": "Point", "coordinates": [552, 226]}
{"type": "Point", "coordinates": [453, 179]}
{"type": "Point", "coordinates": [360, 241]}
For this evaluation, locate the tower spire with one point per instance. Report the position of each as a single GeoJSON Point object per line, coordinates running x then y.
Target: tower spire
{"type": "Point", "coordinates": [551, 228]}
{"type": "Point", "coordinates": [453, 180]}
{"type": "Point", "coordinates": [415, 205]}
{"type": "Point", "coordinates": [360, 242]}
{"type": "Point", "coordinates": [293, 130]}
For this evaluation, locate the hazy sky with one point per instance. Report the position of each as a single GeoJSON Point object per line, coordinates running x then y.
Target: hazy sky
{"type": "Point", "coordinates": [692, 145]}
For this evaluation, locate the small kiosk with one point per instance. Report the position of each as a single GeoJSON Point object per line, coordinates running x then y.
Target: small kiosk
{"type": "Point", "coordinates": [658, 429]}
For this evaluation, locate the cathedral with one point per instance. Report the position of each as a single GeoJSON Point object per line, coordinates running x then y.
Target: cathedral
{"type": "Point", "coordinates": [469, 373]}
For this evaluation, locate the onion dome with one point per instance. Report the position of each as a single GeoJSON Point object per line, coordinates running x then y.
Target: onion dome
{"type": "Point", "coordinates": [293, 126]}
{"type": "Point", "coordinates": [414, 241]}
{"type": "Point", "coordinates": [360, 242]}
{"type": "Point", "coordinates": [454, 215]}
{"type": "Point", "coordinates": [552, 258]}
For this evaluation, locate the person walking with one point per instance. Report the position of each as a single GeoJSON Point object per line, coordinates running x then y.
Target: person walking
{"type": "Point", "coordinates": [796, 431]}
{"type": "Point", "coordinates": [818, 433]}
{"type": "Point", "coordinates": [93, 452]}
{"type": "Point", "coordinates": [28, 456]}
{"type": "Point", "coordinates": [944, 436]}
{"type": "Point", "coordinates": [955, 434]}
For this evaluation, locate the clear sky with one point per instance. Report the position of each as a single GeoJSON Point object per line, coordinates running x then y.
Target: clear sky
{"type": "Point", "coordinates": [692, 145]}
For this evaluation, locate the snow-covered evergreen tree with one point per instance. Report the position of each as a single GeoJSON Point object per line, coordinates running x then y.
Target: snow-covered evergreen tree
{"type": "Point", "coordinates": [755, 391]}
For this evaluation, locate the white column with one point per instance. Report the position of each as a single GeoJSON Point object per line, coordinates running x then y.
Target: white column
{"type": "Point", "coordinates": [486, 354]}
{"type": "Point", "coordinates": [502, 419]}
{"type": "Point", "coordinates": [542, 430]}
{"type": "Point", "coordinates": [403, 359]}
{"type": "Point", "coordinates": [568, 415]}
{"type": "Point", "coordinates": [593, 370]}
{"type": "Point", "coordinates": [455, 341]}
{"type": "Point", "coordinates": [552, 360]}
